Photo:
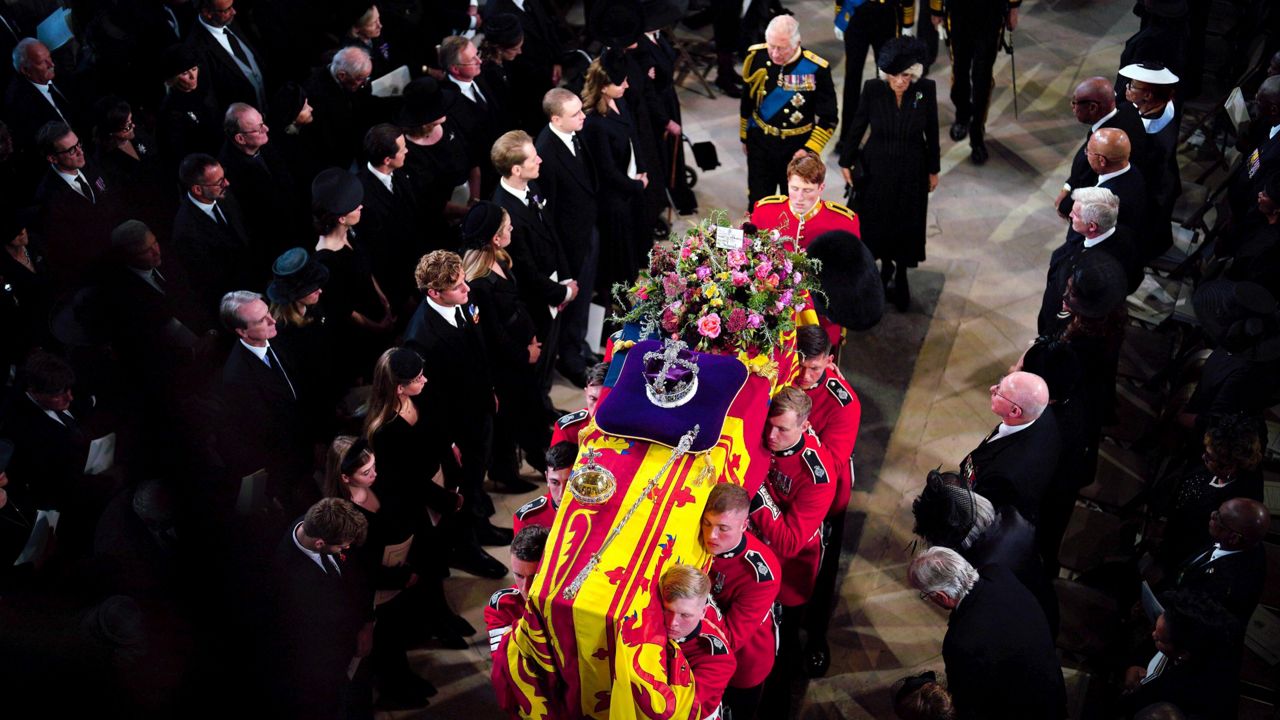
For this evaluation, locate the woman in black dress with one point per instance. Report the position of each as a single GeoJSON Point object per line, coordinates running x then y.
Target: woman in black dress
{"type": "Point", "coordinates": [610, 133]}
{"type": "Point", "coordinates": [361, 315]}
{"type": "Point", "coordinates": [131, 162]}
{"type": "Point", "coordinates": [25, 293]}
{"type": "Point", "coordinates": [304, 337]}
{"type": "Point", "coordinates": [514, 348]}
{"type": "Point", "coordinates": [436, 164]}
{"type": "Point", "coordinates": [188, 120]}
{"type": "Point", "coordinates": [503, 42]}
{"type": "Point", "coordinates": [290, 117]}
{"type": "Point", "coordinates": [898, 167]}
{"type": "Point", "coordinates": [350, 474]}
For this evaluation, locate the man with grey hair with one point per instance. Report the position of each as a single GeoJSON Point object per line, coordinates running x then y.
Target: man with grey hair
{"type": "Point", "coordinates": [1014, 464]}
{"type": "Point", "coordinates": [1094, 213]}
{"type": "Point", "coordinates": [261, 424]}
{"type": "Point", "coordinates": [999, 657]}
{"type": "Point", "coordinates": [31, 99]}
{"type": "Point", "coordinates": [473, 107]}
{"type": "Point", "coordinates": [226, 58]}
{"type": "Point", "coordinates": [342, 103]}
{"type": "Point", "coordinates": [274, 212]}
{"type": "Point", "coordinates": [788, 107]}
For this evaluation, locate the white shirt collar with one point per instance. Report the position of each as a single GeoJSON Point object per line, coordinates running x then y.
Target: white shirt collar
{"type": "Point", "coordinates": [1118, 173]}
{"type": "Point", "coordinates": [148, 276]}
{"type": "Point", "coordinates": [518, 4]}
{"type": "Point", "coordinates": [1007, 430]}
{"type": "Point", "coordinates": [521, 195]}
{"type": "Point", "coordinates": [1098, 125]}
{"type": "Point", "coordinates": [1218, 552]}
{"type": "Point", "coordinates": [1091, 242]}
{"type": "Point", "coordinates": [384, 178]}
{"type": "Point", "coordinates": [49, 412]}
{"type": "Point", "coordinates": [445, 312]}
{"type": "Point", "coordinates": [316, 557]}
{"type": "Point", "coordinates": [566, 138]}
{"type": "Point", "coordinates": [206, 208]}
{"type": "Point", "coordinates": [468, 88]}
{"type": "Point", "coordinates": [1156, 124]}
{"type": "Point", "coordinates": [1274, 129]}
{"type": "Point", "coordinates": [259, 352]}
{"type": "Point", "coordinates": [70, 179]}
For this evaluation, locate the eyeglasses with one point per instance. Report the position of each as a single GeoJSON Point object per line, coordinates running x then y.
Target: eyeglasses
{"type": "Point", "coordinates": [78, 147]}
{"type": "Point", "coordinates": [468, 64]}
{"type": "Point", "coordinates": [995, 392]}
{"type": "Point", "coordinates": [220, 182]}
{"type": "Point", "coordinates": [1216, 517]}
{"type": "Point", "coordinates": [262, 128]}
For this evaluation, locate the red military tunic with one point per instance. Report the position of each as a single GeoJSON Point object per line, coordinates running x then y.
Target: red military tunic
{"type": "Point", "coordinates": [706, 649]}
{"type": "Point", "coordinates": [538, 511]}
{"type": "Point", "coordinates": [505, 607]}
{"type": "Point", "coordinates": [789, 516]}
{"type": "Point", "coordinates": [744, 583]}
{"type": "Point", "coordinates": [568, 427]}
{"type": "Point", "coordinates": [835, 418]}
{"type": "Point", "coordinates": [774, 213]}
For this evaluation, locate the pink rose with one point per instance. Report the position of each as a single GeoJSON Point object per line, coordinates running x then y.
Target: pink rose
{"type": "Point", "coordinates": [786, 298]}
{"type": "Point", "coordinates": [763, 269]}
{"type": "Point", "coordinates": [709, 325]}
{"type": "Point", "coordinates": [786, 265]}
{"type": "Point", "coordinates": [736, 258]}
{"type": "Point", "coordinates": [796, 277]}
{"type": "Point", "coordinates": [739, 278]}
{"type": "Point", "coordinates": [755, 320]}
{"type": "Point", "coordinates": [703, 273]}
{"type": "Point", "coordinates": [642, 292]}
{"type": "Point", "coordinates": [685, 252]}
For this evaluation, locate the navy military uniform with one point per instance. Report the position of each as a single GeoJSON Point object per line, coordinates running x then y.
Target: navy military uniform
{"type": "Point", "coordinates": [867, 24]}
{"type": "Point", "coordinates": [973, 33]}
{"type": "Point", "coordinates": [784, 108]}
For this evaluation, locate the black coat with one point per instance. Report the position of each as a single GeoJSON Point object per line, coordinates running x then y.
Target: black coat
{"type": "Point", "coordinates": [569, 183]}
{"type": "Point", "coordinates": [262, 424]}
{"type": "Point", "coordinates": [77, 230]}
{"type": "Point", "coordinates": [999, 657]}
{"type": "Point", "coordinates": [455, 363]}
{"type": "Point", "coordinates": [389, 229]}
{"type": "Point", "coordinates": [49, 456]}
{"type": "Point", "coordinates": [341, 117]}
{"type": "Point", "coordinates": [1082, 175]}
{"type": "Point", "coordinates": [1010, 541]}
{"type": "Point", "coordinates": [1016, 469]}
{"type": "Point", "coordinates": [536, 254]}
{"type": "Point", "coordinates": [218, 67]}
{"type": "Point", "coordinates": [1131, 188]}
{"type": "Point", "coordinates": [609, 139]}
{"type": "Point", "coordinates": [531, 70]}
{"type": "Point", "coordinates": [1235, 581]}
{"type": "Point", "coordinates": [479, 125]}
{"type": "Point", "coordinates": [187, 123]}
{"type": "Point", "coordinates": [274, 210]}
{"type": "Point", "coordinates": [26, 111]}
{"type": "Point", "coordinates": [1248, 179]}
{"type": "Point", "coordinates": [1064, 260]}
{"type": "Point", "coordinates": [896, 162]}
{"type": "Point", "coordinates": [508, 327]}
{"type": "Point", "coordinates": [216, 257]}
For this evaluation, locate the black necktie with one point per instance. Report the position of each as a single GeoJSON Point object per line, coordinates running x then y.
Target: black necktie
{"type": "Point", "coordinates": [480, 101]}
{"type": "Point", "coordinates": [458, 319]}
{"type": "Point", "coordinates": [157, 279]}
{"type": "Point", "coordinates": [84, 189]}
{"type": "Point", "coordinates": [274, 362]}
{"type": "Point", "coordinates": [236, 48]}
{"type": "Point", "coordinates": [577, 146]}
{"type": "Point", "coordinates": [218, 217]}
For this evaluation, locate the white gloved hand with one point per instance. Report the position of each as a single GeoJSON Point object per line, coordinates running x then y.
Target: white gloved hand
{"type": "Point", "coordinates": [909, 32]}
{"type": "Point", "coordinates": [839, 33]}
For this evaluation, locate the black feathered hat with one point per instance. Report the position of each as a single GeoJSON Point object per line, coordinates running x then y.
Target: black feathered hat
{"type": "Point", "coordinates": [480, 225]}
{"type": "Point", "coordinates": [423, 103]}
{"type": "Point", "coordinates": [899, 54]}
{"type": "Point", "coordinates": [175, 60]}
{"type": "Point", "coordinates": [616, 23]}
{"type": "Point", "coordinates": [944, 511]}
{"type": "Point", "coordinates": [850, 281]}
{"type": "Point", "coordinates": [503, 30]}
{"type": "Point", "coordinates": [614, 65]}
{"type": "Point", "coordinates": [285, 105]}
{"type": "Point", "coordinates": [336, 191]}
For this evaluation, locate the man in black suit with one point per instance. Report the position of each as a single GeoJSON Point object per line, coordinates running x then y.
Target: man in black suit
{"type": "Point", "coordinates": [1094, 213]}
{"type": "Point", "coordinates": [274, 212]}
{"type": "Point", "coordinates": [568, 178]}
{"type": "Point", "coordinates": [473, 106]}
{"type": "Point", "coordinates": [343, 104]}
{"type": "Point", "coordinates": [445, 332]}
{"type": "Point", "coordinates": [999, 657]}
{"type": "Point", "coordinates": [1109, 152]}
{"type": "Point", "coordinates": [324, 612]}
{"type": "Point", "coordinates": [1150, 89]}
{"type": "Point", "coordinates": [1232, 569]}
{"type": "Point", "coordinates": [232, 65]}
{"type": "Point", "coordinates": [1094, 104]}
{"type": "Point", "coordinates": [31, 100]}
{"type": "Point", "coordinates": [1248, 179]}
{"type": "Point", "coordinates": [209, 236]}
{"type": "Point", "coordinates": [1015, 463]}
{"type": "Point", "coordinates": [77, 208]}
{"type": "Point", "coordinates": [542, 269]}
{"type": "Point", "coordinates": [262, 424]}
{"type": "Point", "coordinates": [389, 223]}
{"type": "Point", "coordinates": [537, 69]}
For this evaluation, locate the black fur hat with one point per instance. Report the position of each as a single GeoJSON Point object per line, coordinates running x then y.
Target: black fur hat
{"type": "Point", "coordinates": [850, 281]}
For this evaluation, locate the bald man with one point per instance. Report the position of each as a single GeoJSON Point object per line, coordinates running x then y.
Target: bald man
{"type": "Point", "coordinates": [1015, 463]}
{"type": "Point", "coordinates": [1107, 153]}
{"type": "Point", "coordinates": [1250, 177]}
{"type": "Point", "coordinates": [1232, 568]}
{"type": "Point", "coordinates": [1094, 104]}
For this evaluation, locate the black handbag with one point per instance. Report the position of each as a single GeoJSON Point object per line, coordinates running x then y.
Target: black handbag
{"type": "Point", "coordinates": [704, 154]}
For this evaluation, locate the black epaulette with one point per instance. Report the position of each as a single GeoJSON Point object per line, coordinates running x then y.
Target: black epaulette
{"type": "Point", "coordinates": [571, 418]}
{"type": "Point", "coordinates": [534, 504]}
{"type": "Point", "coordinates": [837, 389]}
{"type": "Point", "coordinates": [814, 461]}
{"type": "Point", "coordinates": [763, 572]}
{"type": "Point", "coordinates": [718, 646]}
{"type": "Point", "coordinates": [496, 598]}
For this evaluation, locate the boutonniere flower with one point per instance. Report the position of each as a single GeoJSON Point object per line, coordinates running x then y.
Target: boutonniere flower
{"type": "Point", "coordinates": [919, 97]}
{"type": "Point", "coordinates": [142, 149]}
{"type": "Point", "coordinates": [193, 117]}
{"type": "Point", "coordinates": [474, 313]}
{"type": "Point", "coordinates": [542, 204]}
{"type": "Point", "coordinates": [385, 51]}
{"type": "Point", "coordinates": [102, 186]}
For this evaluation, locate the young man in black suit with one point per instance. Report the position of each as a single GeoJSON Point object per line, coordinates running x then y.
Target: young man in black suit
{"type": "Point", "coordinates": [76, 205]}
{"type": "Point", "coordinates": [1014, 464]}
{"type": "Point", "coordinates": [209, 236]}
{"type": "Point", "coordinates": [568, 178]}
{"type": "Point", "coordinates": [324, 613]}
{"type": "Point", "coordinates": [389, 223]}
{"type": "Point", "coordinates": [999, 657]}
{"type": "Point", "coordinates": [445, 332]}
{"type": "Point", "coordinates": [233, 66]}
{"type": "Point", "coordinates": [545, 278]}
{"type": "Point", "coordinates": [262, 425]}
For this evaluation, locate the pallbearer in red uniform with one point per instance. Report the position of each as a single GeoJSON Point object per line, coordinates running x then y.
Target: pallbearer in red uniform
{"type": "Point", "coordinates": [542, 510]}
{"type": "Point", "coordinates": [804, 215]}
{"type": "Point", "coordinates": [835, 417]}
{"type": "Point", "coordinates": [693, 625]}
{"type": "Point", "coordinates": [745, 578]}
{"type": "Point", "coordinates": [788, 515]}
{"type": "Point", "coordinates": [506, 606]}
{"type": "Point", "coordinates": [571, 424]}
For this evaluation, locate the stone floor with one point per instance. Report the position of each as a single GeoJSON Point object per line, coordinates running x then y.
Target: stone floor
{"type": "Point", "coordinates": [922, 375]}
